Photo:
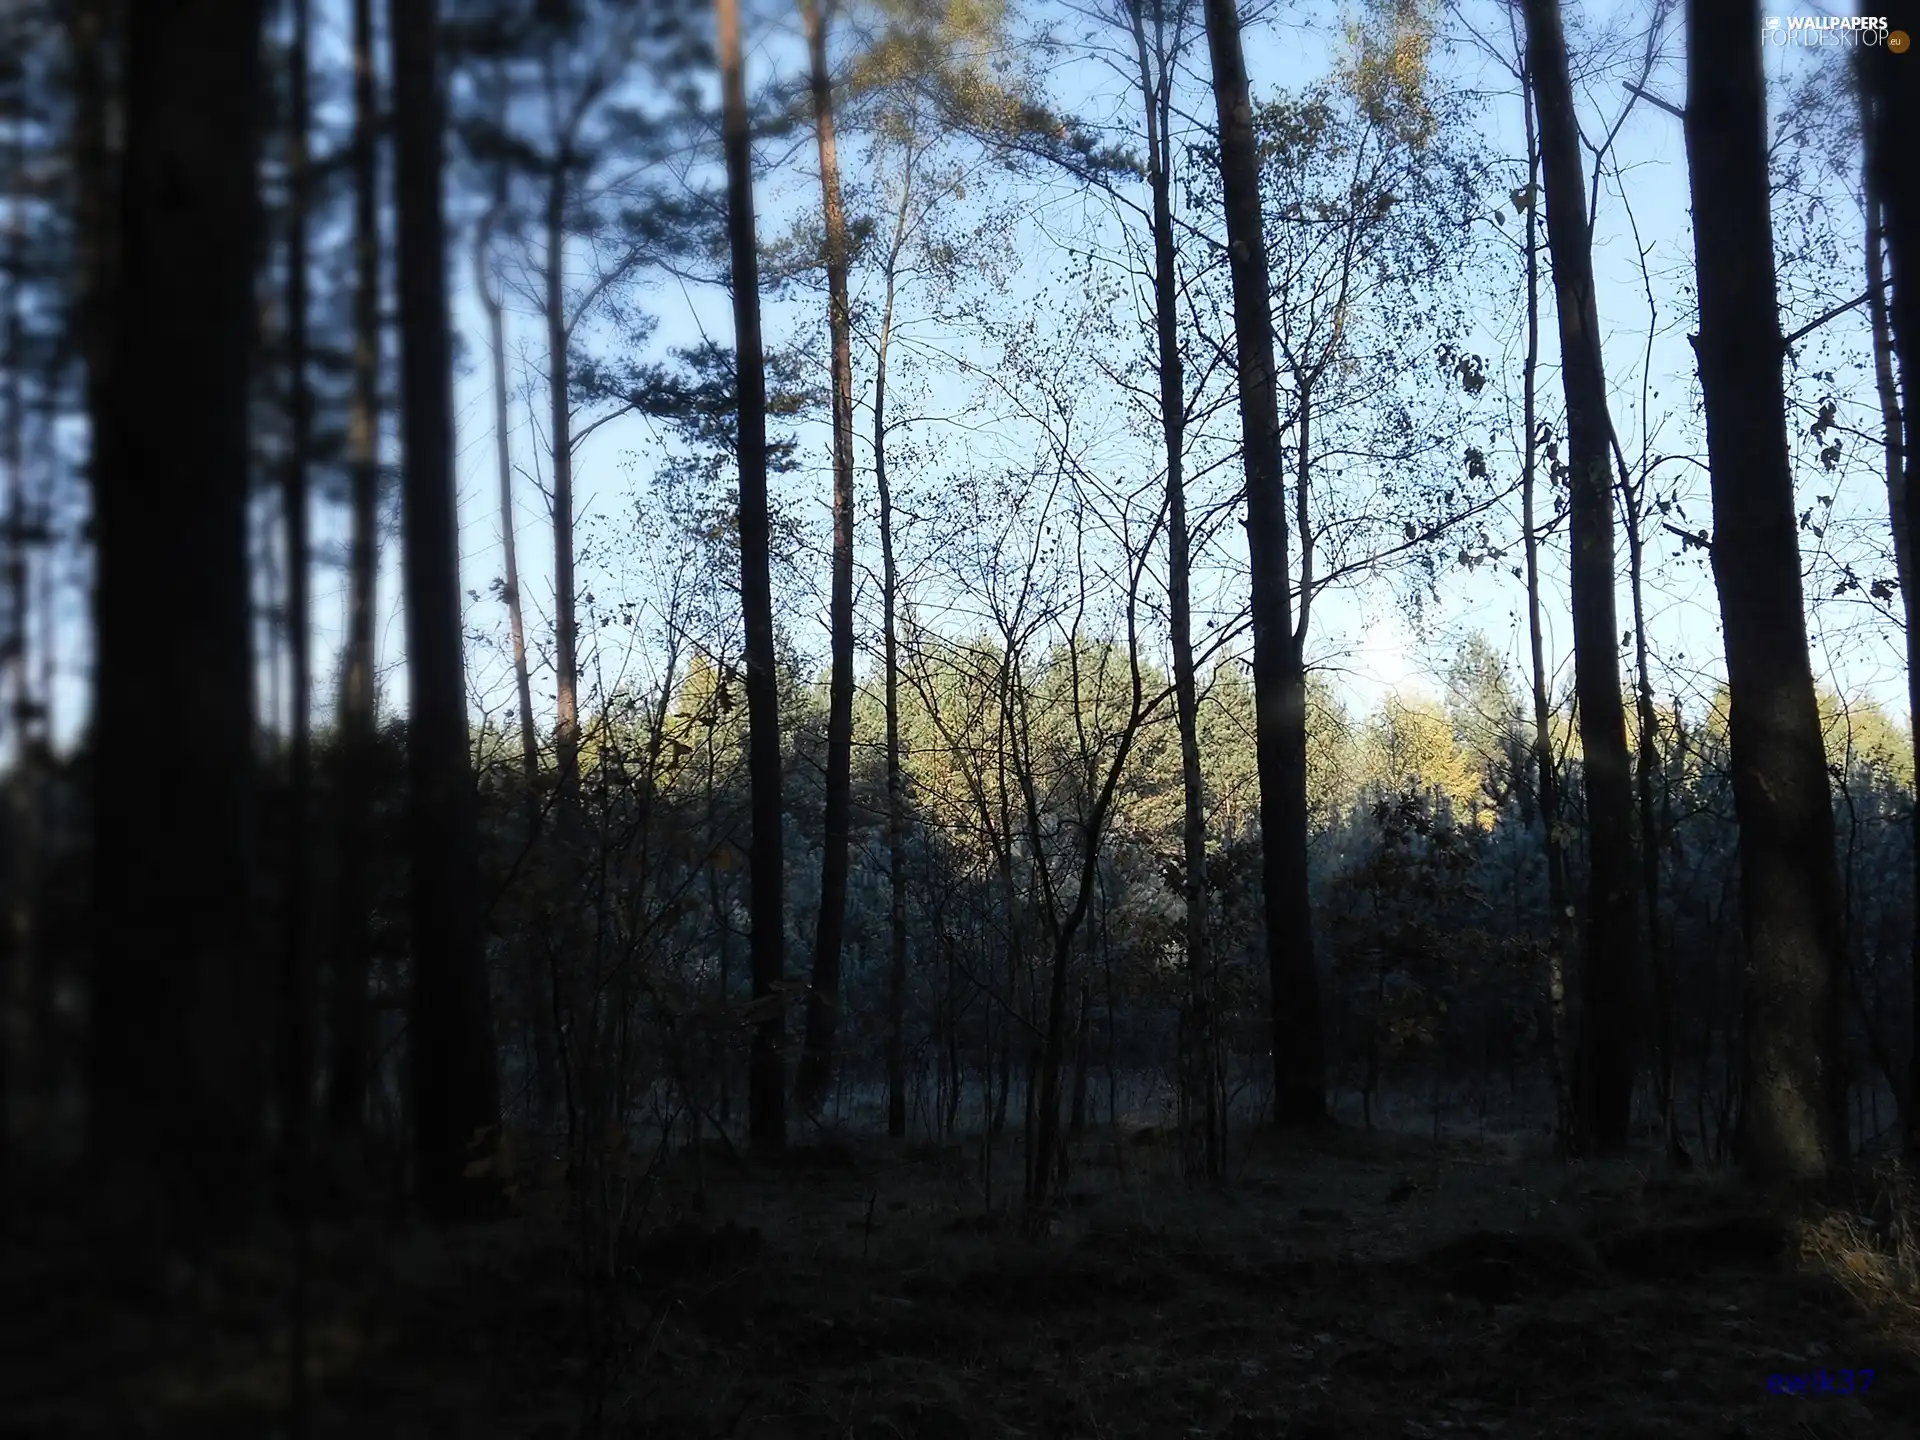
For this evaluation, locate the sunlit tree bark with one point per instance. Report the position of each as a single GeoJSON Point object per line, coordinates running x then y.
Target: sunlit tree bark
{"type": "Point", "coordinates": [1794, 1121]}
{"type": "Point", "coordinates": [1279, 673]}
{"type": "Point", "coordinates": [823, 996]}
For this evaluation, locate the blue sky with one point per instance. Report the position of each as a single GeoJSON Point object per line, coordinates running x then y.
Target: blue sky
{"type": "Point", "coordinates": [1360, 636]}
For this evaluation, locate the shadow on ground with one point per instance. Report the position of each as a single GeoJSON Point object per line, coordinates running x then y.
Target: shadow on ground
{"type": "Point", "coordinates": [1360, 1288]}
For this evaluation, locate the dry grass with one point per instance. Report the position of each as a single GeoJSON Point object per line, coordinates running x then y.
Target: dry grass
{"type": "Point", "coordinates": [1869, 1245]}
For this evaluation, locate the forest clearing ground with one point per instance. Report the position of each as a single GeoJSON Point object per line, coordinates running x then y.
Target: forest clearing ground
{"type": "Point", "coordinates": [1353, 1286]}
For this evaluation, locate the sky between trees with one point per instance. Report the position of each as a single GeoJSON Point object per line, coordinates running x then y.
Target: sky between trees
{"type": "Point", "coordinates": [1365, 639]}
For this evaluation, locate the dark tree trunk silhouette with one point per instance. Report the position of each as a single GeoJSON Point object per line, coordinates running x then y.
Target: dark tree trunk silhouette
{"type": "Point", "coordinates": [1794, 1121]}
{"type": "Point", "coordinates": [1548, 800]}
{"type": "Point", "coordinates": [533, 981]}
{"type": "Point", "coordinates": [890, 659]}
{"type": "Point", "coordinates": [16, 930]}
{"type": "Point", "coordinates": [1199, 1085]}
{"type": "Point", "coordinates": [1016, 931]}
{"type": "Point", "coordinates": [1887, 385]}
{"type": "Point", "coordinates": [298, 994]}
{"type": "Point", "coordinates": [823, 996]}
{"type": "Point", "coordinates": [176, 1067]}
{"type": "Point", "coordinates": [456, 1093]}
{"type": "Point", "coordinates": [95, 35]}
{"type": "Point", "coordinates": [1046, 1153]}
{"type": "Point", "coordinates": [347, 1083]}
{"type": "Point", "coordinates": [1279, 674]}
{"type": "Point", "coordinates": [1647, 765]}
{"type": "Point", "coordinates": [1604, 1061]}
{"type": "Point", "coordinates": [766, 1072]}
{"type": "Point", "coordinates": [566, 662]}
{"type": "Point", "coordinates": [1082, 1052]}
{"type": "Point", "coordinates": [1892, 129]}
{"type": "Point", "coordinates": [1635, 494]}
{"type": "Point", "coordinates": [299, 991]}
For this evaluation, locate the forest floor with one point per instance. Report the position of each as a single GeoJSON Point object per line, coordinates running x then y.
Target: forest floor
{"type": "Point", "coordinates": [1358, 1286]}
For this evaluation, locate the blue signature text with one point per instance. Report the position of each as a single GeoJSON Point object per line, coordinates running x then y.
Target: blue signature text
{"type": "Point", "coordinates": [1821, 1382]}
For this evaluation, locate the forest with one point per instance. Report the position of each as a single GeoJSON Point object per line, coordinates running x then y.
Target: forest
{"type": "Point", "coordinates": [1073, 718]}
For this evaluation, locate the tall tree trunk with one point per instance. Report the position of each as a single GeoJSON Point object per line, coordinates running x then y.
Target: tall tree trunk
{"type": "Point", "coordinates": [1647, 765]}
{"type": "Point", "coordinates": [347, 1092]}
{"type": "Point", "coordinates": [566, 664]}
{"type": "Point", "coordinates": [1894, 130]}
{"type": "Point", "coordinates": [15, 658]}
{"type": "Point", "coordinates": [17, 962]}
{"type": "Point", "coordinates": [1887, 387]}
{"type": "Point", "coordinates": [1549, 779]}
{"type": "Point", "coordinates": [95, 32]}
{"type": "Point", "coordinates": [456, 1089]}
{"type": "Point", "coordinates": [1199, 1086]}
{"type": "Point", "coordinates": [533, 977]}
{"type": "Point", "coordinates": [1887, 390]}
{"type": "Point", "coordinates": [1794, 1119]}
{"type": "Point", "coordinates": [890, 659]}
{"type": "Point", "coordinates": [298, 988]}
{"type": "Point", "coordinates": [1010, 898]}
{"type": "Point", "coordinates": [96, 36]}
{"type": "Point", "coordinates": [297, 997]}
{"type": "Point", "coordinates": [1604, 1068]}
{"type": "Point", "coordinates": [1044, 1157]}
{"type": "Point", "coordinates": [1279, 675]}
{"type": "Point", "coordinates": [823, 996]}
{"type": "Point", "coordinates": [722, 927]}
{"type": "Point", "coordinates": [1082, 1052]}
{"type": "Point", "coordinates": [175, 1065]}
{"type": "Point", "coordinates": [766, 1075]}
{"type": "Point", "coordinates": [268, 559]}
{"type": "Point", "coordinates": [575, 935]}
